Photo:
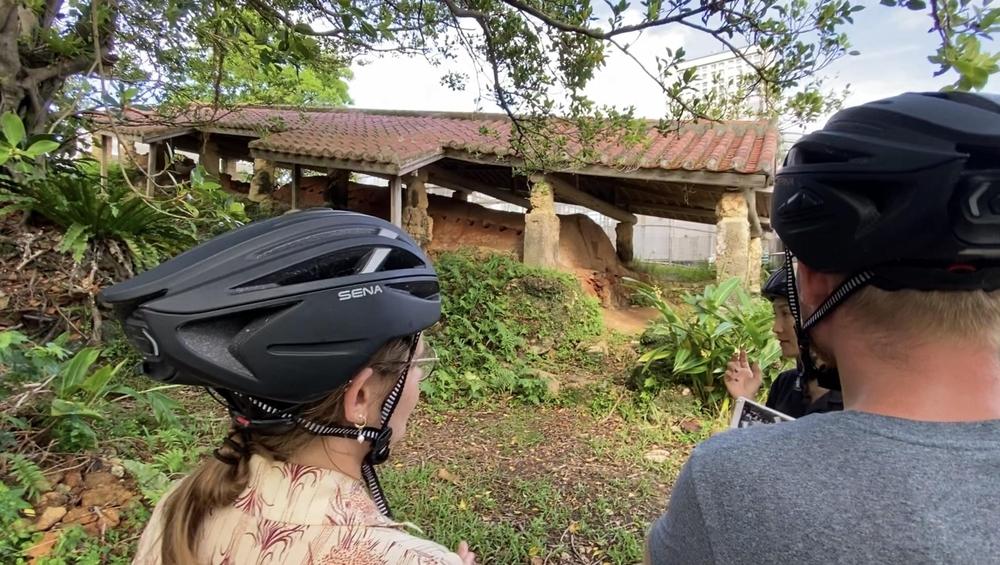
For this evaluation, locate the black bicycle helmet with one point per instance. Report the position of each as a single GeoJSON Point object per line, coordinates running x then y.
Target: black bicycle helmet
{"type": "Point", "coordinates": [280, 313]}
{"type": "Point", "coordinates": [286, 309]}
{"type": "Point", "coordinates": [907, 188]}
{"type": "Point", "coordinates": [776, 285]}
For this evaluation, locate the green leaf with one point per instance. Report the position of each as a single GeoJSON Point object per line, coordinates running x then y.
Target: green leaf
{"type": "Point", "coordinates": [41, 147]}
{"type": "Point", "coordinates": [74, 372]}
{"type": "Point", "coordinates": [96, 384]}
{"type": "Point", "coordinates": [75, 240]}
{"type": "Point", "coordinates": [13, 128]}
{"type": "Point", "coordinates": [61, 408]}
{"type": "Point", "coordinates": [916, 5]}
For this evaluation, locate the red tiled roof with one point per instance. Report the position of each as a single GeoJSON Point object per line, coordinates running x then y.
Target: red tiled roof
{"type": "Point", "coordinates": [403, 138]}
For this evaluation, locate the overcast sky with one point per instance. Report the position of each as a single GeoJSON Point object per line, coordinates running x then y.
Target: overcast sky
{"type": "Point", "coordinates": [894, 46]}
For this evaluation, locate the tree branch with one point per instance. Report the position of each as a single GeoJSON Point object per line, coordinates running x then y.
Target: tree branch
{"type": "Point", "coordinates": [582, 30]}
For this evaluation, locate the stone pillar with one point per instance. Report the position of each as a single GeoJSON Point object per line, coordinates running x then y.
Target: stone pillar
{"type": "Point", "coordinates": [262, 183]}
{"type": "Point", "coordinates": [97, 146]}
{"type": "Point", "coordinates": [126, 152]}
{"type": "Point", "coordinates": [623, 241]}
{"type": "Point", "coordinates": [541, 227]}
{"type": "Point", "coordinates": [755, 256]}
{"type": "Point", "coordinates": [732, 237]}
{"type": "Point", "coordinates": [209, 158]}
{"type": "Point", "coordinates": [460, 196]}
{"type": "Point", "coordinates": [416, 221]}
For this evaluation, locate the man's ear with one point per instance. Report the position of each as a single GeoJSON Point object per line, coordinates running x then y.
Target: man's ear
{"type": "Point", "coordinates": [358, 398]}
{"type": "Point", "coordinates": [814, 286]}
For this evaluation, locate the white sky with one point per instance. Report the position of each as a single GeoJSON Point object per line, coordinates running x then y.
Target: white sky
{"type": "Point", "coordinates": [894, 46]}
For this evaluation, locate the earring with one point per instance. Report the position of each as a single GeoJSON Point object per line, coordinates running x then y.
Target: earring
{"type": "Point", "coordinates": [361, 427]}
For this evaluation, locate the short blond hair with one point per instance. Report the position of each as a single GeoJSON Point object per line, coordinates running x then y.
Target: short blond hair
{"type": "Point", "coordinates": [927, 315]}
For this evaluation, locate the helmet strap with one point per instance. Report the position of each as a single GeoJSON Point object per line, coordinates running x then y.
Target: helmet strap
{"type": "Point", "coordinates": [379, 438]}
{"type": "Point", "coordinates": [826, 377]}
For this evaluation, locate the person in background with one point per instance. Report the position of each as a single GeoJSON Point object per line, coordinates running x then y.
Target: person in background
{"type": "Point", "coordinates": [790, 392]}
{"type": "Point", "coordinates": [891, 210]}
{"type": "Point", "coordinates": [307, 328]}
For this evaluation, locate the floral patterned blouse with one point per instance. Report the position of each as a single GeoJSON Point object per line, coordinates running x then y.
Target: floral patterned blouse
{"type": "Point", "coordinates": [292, 513]}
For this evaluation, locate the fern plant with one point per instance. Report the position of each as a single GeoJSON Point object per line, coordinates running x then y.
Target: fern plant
{"type": "Point", "coordinates": [27, 474]}
{"type": "Point", "coordinates": [77, 201]}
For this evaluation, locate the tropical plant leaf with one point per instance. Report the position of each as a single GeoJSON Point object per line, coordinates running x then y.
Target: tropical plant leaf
{"type": "Point", "coordinates": [41, 147]}
{"type": "Point", "coordinates": [75, 371]}
{"type": "Point", "coordinates": [61, 408]}
{"type": "Point", "coordinates": [13, 128]}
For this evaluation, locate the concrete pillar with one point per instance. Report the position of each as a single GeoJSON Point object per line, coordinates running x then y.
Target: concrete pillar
{"type": "Point", "coordinates": [416, 221]}
{"type": "Point", "coordinates": [396, 201]}
{"type": "Point", "coordinates": [262, 183]}
{"type": "Point", "coordinates": [623, 241]}
{"type": "Point", "coordinates": [755, 262]}
{"type": "Point", "coordinates": [541, 227]}
{"type": "Point", "coordinates": [732, 237]}
{"type": "Point", "coordinates": [209, 158]}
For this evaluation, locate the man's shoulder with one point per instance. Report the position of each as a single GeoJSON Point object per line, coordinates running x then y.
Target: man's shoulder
{"type": "Point", "coordinates": [785, 443]}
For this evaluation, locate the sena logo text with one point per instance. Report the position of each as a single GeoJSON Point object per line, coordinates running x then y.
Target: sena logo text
{"type": "Point", "coordinates": [360, 292]}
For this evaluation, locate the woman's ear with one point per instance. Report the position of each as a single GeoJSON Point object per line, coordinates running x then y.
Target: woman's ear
{"type": "Point", "coordinates": [358, 398]}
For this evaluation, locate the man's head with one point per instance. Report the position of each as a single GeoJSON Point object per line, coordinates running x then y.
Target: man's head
{"type": "Point", "coordinates": [893, 210]}
{"type": "Point", "coordinates": [776, 290]}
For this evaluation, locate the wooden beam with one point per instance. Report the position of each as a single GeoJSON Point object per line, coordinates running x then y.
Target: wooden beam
{"type": "Point", "coordinates": [709, 178]}
{"type": "Point", "coordinates": [396, 201]}
{"type": "Point", "coordinates": [448, 179]}
{"type": "Point", "coordinates": [566, 189]}
{"type": "Point", "coordinates": [677, 212]}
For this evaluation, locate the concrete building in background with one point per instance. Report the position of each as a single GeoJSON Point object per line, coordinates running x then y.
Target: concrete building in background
{"type": "Point", "coordinates": [717, 70]}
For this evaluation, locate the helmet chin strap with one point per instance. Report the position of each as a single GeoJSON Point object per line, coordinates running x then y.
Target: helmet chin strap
{"type": "Point", "coordinates": [826, 377]}
{"type": "Point", "coordinates": [380, 438]}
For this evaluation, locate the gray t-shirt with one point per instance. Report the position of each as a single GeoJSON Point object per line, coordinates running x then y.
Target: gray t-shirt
{"type": "Point", "coordinates": [843, 487]}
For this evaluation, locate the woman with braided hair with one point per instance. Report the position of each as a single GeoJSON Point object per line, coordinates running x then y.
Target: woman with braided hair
{"type": "Point", "coordinates": [307, 328]}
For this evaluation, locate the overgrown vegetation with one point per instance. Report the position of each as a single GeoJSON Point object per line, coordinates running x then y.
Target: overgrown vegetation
{"type": "Point", "coordinates": [693, 348]}
{"type": "Point", "coordinates": [51, 394]}
{"type": "Point", "coordinates": [502, 324]}
{"type": "Point", "coordinates": [701, 272]}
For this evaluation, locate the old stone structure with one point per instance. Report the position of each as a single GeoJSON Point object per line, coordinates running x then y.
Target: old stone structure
{"type": "Point", "coordinates": [541, 227]}
{"type": "Point", "coordinates": [704, 172]}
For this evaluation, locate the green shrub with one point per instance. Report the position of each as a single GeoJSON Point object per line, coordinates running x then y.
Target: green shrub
{"type": "Point", "coordinates": [501, 323]}
{"type": "Point", "coordinates": [693, 349]}
{"type": "Point", "coordinates": [16, 533]}
{"type": "Point", "coordinates": [91, 210]}
{"type": "Point", "coordinates": [67, 391]}
{"type": "Point", "coordinates": [75, 200]}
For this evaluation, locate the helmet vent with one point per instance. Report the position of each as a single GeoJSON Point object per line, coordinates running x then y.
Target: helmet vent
{"type": "Point", "coordinates": [420, 289]}
{"type": "Point", "coordinates": [341, 263]}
